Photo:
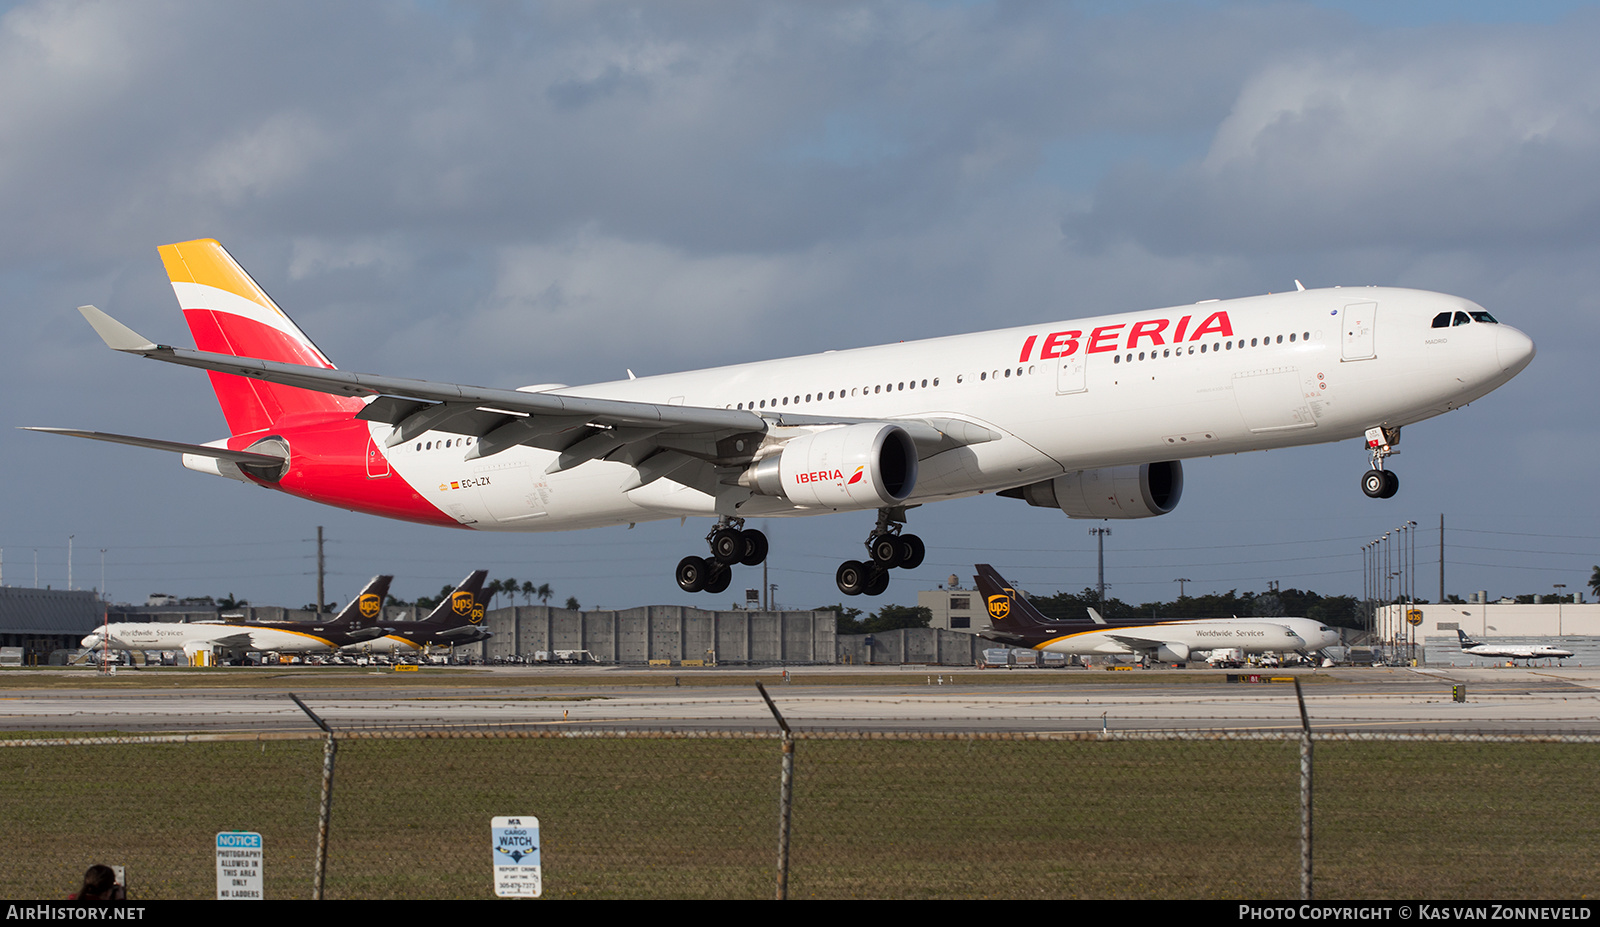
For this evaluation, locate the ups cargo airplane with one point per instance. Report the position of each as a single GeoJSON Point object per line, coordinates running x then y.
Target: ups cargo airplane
{"type": "Point", "coordinates": [1092, 416]}
{"type": "Point", "coordinates": [360, 626]}
{"type": "Point", "coordinates": [236, 640]}
{"type": "Point", "coordinates": [1014, 621]}
{"type": "Point", "coordinates": [457, 619]}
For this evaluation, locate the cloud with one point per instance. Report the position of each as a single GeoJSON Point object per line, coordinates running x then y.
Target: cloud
{"type": "Point", "coordinates": [1454, 138]}
{"type": "Point", "coordinates": [518, 193]}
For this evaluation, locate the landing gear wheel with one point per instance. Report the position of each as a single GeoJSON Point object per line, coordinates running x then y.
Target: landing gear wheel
{"type": "Point", "coordinates": [728, 545]}
{"type": "Point", "coordinates": [886, 551]}
{"type": "Point", "coordinates": [878, 583]}
{"type": "Point", "coordinates": [1374, 482]}
{"type": "Point", "coordinates": [912, 550]}
{"type": "Point", "coordinates": [1392, 484]}
{"type": "Point", "coordinates": [755, 547]}
{"type": "Point", "coordinates": [852, 577]}
{"type": "Point", "coordinates": [693, 573]}
{"type": "Point", "coordinates": [719, 579]}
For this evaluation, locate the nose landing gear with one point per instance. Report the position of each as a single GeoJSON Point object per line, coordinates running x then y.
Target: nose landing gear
{"type": "Point", "coordinates": [1377, 482]}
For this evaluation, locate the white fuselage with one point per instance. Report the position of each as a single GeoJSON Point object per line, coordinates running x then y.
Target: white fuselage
{"type": "Point", "coordinates": [1217, 377]}
{"type": "Point", "coordinates": [1182, 640]}
{"type": "Point", "coordinates": [235, 639]}
{"type": "Point", "coordinates": [1533, 652]}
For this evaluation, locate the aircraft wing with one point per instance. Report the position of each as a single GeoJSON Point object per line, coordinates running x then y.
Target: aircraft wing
{"type": "Point", "coordinates": [580, 428]}
{"type": "Point", "coordinates": [238, 643]}
{"type": "Point", "coordinates": [1134, 642]}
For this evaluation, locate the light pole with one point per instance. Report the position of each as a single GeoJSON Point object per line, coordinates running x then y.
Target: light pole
{"type": "Point", "coordinates": [1100, 535]}
{"type": "Point", "coordinates": [1559, 587]}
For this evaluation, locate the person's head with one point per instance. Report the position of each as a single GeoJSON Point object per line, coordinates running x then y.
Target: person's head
{"type": "Point", "coordinates": [99, 884]}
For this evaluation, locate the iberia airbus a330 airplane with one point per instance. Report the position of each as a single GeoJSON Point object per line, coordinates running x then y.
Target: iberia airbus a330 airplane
{"type": "Point", "coordinates": [1091, 416]}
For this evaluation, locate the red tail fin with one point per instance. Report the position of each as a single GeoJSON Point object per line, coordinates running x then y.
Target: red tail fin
{"type": "Point", "coordinates": [229, 314]}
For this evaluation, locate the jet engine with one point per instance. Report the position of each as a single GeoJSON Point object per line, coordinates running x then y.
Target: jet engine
{"type": "Point", "coordinates": [1173, 652]}
{"type": "Point", "coordinates": [864, 466]}
{"type": "Point", "coordinates": [1136, 491]}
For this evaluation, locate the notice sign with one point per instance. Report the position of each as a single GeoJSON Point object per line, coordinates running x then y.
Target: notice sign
{"type": "Point", "coordinates": [239, 859]}
{"type": "Point", "coordinates": [516, 857]}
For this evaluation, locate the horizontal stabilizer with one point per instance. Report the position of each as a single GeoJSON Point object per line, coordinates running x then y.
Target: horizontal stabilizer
{"type": "Point", "coordinates": [117, 336]}
{"type": "Point", "coordinates": [176, 447]}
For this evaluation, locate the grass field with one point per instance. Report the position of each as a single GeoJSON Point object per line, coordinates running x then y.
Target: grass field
{"type": "Point", "coordinates": [883, 817]}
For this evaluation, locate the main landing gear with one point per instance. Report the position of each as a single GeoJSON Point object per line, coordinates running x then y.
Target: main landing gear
{"type": "Point", "coordinates": [887, 549]}
{"type": "Point", "coordinates": [1377, 482]}
{"type": "Point", "coordinates": [730, 543]}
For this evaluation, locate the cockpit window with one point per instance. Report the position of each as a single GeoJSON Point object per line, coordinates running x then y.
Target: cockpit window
{"type": "Point", "coordinates": [1442, 320]}
{"type": "Point", "coordinates": [1485, 317]}
{"type": "Point", "coordinates": [1462, 319]}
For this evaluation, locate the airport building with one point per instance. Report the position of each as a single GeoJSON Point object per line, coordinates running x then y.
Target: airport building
{"type": "Point", "coordinates": [1568, 625]}
{"type": "Point", "coordinates": [42, 620]}
{"type": "Point", "coordinates": [1490, 620]}
{"type": "Point", "coordinates": [954, 608]}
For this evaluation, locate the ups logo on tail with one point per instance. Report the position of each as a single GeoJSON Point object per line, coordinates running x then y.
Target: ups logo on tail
{"type": "Point", "coordinates": [999, 607]}
{"type": "Point", "coordinates": [461, 603]}
{"type": "Point", "coordinates": [369, 606]}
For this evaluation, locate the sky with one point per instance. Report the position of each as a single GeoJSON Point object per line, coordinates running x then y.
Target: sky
{"type": "Point", "coordinates": [507, 194]}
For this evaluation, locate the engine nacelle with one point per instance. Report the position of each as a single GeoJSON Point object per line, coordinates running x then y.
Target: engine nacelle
{"type": "Point", "coordinates": [864, 466]}
{"type": "Point", "coordinates": [1135, 491]}
{"type": "Point", "coordinates": [1172, 652]}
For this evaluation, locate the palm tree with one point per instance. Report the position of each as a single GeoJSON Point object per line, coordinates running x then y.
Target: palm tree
{"type": "Point", "coordinates": [1594, 581]}
{"type": "Point", "coordinates": [544, 593]}
{"type": "Point", "coordinates": [527, 590]}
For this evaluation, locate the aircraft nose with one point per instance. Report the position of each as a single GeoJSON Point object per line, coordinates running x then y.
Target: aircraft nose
{"type": "Point", "coordinates": [89, 641]}
{"type": "Point", "coordinates": [1513, 349]}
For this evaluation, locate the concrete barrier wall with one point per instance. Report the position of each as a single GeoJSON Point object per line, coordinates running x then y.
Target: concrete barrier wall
{"type": "Point", "coordinates": [927, 646]}
{"type": "Point", "coordinates": [664, 632]}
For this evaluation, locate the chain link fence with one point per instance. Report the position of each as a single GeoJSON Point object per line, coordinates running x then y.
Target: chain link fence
{"type": "Point", "coordinates": [920, 814]}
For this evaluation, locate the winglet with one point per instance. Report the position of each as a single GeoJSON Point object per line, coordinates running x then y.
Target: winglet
{"type": "Point", "coordinates": [117, 336]}
{"type": "Point", "coordinates": [1095, 617]}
